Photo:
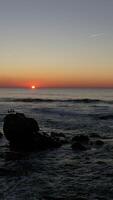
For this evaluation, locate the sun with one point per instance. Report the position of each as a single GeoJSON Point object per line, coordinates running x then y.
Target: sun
{"type": "Point", "coordinates": [33, 87]}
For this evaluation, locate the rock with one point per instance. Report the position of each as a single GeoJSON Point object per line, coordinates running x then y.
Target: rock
{"type": "Point", "coordinates": [106, 117]}
{"type": "Point", "coordinates": [99, 143]}
{"type": "Point", "coordinates": [84, 139]}
{"type": "Point", "coordinates": [1, 135]}
{"type": "Point", "coordinates": [95, 135]}
{"type": "Point", "coordinates": [80, 142]}
{"type": "Point", "coordinates": [83, 142]}
{"type": "Point", "coordinates": [60, 136]}
{"type": "Point", "coordinates": [46, 141]}
{"type": "Point", "coordinates": [18, 127]}
{"type": "Point", "coordinates": [76, 146]}
{"type": "Point", "coordinates": [23, 134]}
{"type": "Point", "coordinates": [4, 172]}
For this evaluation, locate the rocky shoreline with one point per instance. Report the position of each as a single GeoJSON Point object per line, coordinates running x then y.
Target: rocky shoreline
{"type": "Point", "coordinates": [24, 135]}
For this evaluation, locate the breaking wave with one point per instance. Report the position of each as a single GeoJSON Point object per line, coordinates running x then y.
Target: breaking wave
{"type": "Point", "coordinates": [39, 100]}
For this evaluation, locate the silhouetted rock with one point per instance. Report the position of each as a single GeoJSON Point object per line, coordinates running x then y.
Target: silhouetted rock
{"type": "Point", "coordinates": [99, 143]}
{"type": "Point", "coordinates": [80, 142]}
{"type": "Point", "coordinates": [95, 135]}
{"type": "Point", "coordinates": [17, 127]}
{"type": "Point", "coordinates": [60, 136]}
{"type": "Point", "coordinates": [80, 198]}
{"type": "Point", "coordinates": [1, 135]}
{"type": "Point", "coordinates": [23, 134]}
{"type": "Point", "coordinates": [84, 139]}
{"type": "Point", "coordinates": [105, 117]}
{"type": "Point", "coordinates": [78, 146]}
{"type": "Point", "coordinates": [83, 142]}
{"type": "Point", "coordinates": [6, 172]}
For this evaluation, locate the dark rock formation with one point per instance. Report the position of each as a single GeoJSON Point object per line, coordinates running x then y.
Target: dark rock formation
{"type": "Point", "coordinates": [1, 135]}
{"type": "Point", "coordinates": [23, 134]}
{"type": "Point", "coordinates": [61, 136]}
{"type": "Point", "coordinates": [84, 139]}
{"type": "Point", "coordinates": [95, 135]}
{"type": "Point", "coordinates": [99, 143]}
{"type": "Point", "coordinates": [76, 146]}
{"type": "Point", "coordinates": [17, 127]}
{"type": "Point", "coordinates": [80, 142]}
{"type": "Point", "coordinates": [83, 142]}
{"type": "Point", "coordinates": [106, 117]}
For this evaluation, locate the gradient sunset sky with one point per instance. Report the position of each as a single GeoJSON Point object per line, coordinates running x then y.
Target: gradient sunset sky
{"type": "Point", "coordinates": [56, 43]}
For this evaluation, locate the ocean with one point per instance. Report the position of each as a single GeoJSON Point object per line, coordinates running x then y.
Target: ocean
{"type": "Point", "coordinates": [62, 173]}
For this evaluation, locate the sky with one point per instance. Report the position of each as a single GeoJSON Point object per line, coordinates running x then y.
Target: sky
{"type": "Point", "coordinates": [56, 43]}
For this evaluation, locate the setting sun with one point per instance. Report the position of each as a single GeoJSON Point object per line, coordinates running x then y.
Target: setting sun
{"type": "Point", "coordinates": [33, 87]}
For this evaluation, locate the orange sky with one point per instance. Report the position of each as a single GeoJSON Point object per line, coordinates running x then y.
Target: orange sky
{"type": "Point", "coordinates": [56, 43]}
{"type": "Point", "coordinates": [57, 80]}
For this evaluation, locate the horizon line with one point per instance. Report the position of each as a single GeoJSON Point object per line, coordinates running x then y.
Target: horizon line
{"type": "Point", "coordinates": [15, 87]}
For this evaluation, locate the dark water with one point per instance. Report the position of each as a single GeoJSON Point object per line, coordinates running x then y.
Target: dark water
{"type": "Point", "coordinates": [61, 173]}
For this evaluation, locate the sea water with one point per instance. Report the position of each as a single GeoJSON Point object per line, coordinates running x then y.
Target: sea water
{"type": "Point", "coordinates": [61, 173]}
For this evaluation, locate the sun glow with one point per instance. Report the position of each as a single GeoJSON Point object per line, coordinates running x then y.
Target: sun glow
{"type": "Point", "coordinates": [33, 87]}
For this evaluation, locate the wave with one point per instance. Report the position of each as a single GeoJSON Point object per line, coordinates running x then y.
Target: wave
{"type": "Point", "coordinates": [41, 100]}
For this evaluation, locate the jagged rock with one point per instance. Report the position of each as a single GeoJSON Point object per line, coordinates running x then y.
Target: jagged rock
{"type": "Point", "coordinates": [23, 134]}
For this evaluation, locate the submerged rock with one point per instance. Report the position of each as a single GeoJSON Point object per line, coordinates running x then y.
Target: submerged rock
{"type": "Point", "coordinates": [61, 136]}
{"type": "Point", "coordinates": [78, 146]}
{"type": "Point", "coordinates": [99, 143]}
{"type": "Point", "coordinates": [80, 142]}
{"type": "Point", "coordinates": [84, 139]}
{"type": "Point", "coordinates": [83, 142]}
{"type": "Point", "coordinates": [106, 117]}
{"type": "Point", "coordinates": [95, 135]}
{"type": "Point", "coordinates": [23, 134]}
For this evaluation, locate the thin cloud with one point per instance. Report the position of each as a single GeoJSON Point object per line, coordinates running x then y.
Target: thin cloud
{"type": "Point", "coordinates": [96, 35]}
